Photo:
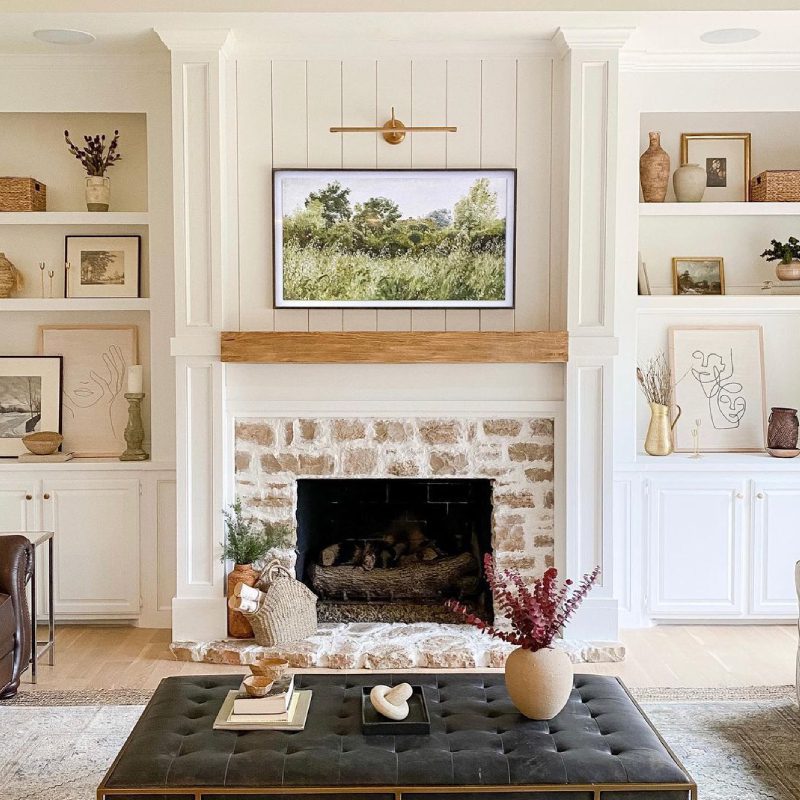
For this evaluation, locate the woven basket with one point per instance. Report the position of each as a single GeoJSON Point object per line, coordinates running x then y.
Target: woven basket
{"type": "Point", "coordinates": [776, 186]}
{"type": "Point", "coordinates": [288, 610]}
{"type": "Point", "coordinates": [22, 194]}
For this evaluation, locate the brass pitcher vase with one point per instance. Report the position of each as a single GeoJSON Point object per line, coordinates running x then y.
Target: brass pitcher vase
{"type": "Point", "coordinates": [658, 441]}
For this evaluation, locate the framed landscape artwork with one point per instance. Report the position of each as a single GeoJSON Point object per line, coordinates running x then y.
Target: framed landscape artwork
{"type": "Point", "coordinates": [394, 238]}
{"type": "Point", "coordinates": [705, 276]}
{"type": "Point", "coordinates": [726, 159]}
{"type": "Point", "coordinates": [102, 266]}
{"type": "Point", "coordinates": [719, 376]}
{"type": "Point", "coordinates": [96, 361]}
{"type": "Point", "coordinates": [30, 399]}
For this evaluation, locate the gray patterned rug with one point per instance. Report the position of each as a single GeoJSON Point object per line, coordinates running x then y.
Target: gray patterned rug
{"type": "Point", "coordinates": [738, 744]}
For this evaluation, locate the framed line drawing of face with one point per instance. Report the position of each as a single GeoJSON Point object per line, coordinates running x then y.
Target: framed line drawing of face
{"type": "Point", "coordinates": [102, 266]}
{"type": "Point", "coordinates": [719, 379]}
{"type": "Point", "coordinates": [725, 157]}
{"type": "Point", "coordinates": [96, 361]}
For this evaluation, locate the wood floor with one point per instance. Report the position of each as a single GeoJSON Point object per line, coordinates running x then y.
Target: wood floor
{"type": "Point", "coordinates": [91, 657]}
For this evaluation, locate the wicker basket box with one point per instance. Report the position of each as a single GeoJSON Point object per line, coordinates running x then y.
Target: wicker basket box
{"type": "Point", "coordinates": [22, 194]}
{"type": "Point", "coordinates": [776, 186]}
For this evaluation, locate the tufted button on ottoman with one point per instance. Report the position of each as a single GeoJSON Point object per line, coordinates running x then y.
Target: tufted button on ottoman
{"type": "Point", "coordinates": [600, 747]}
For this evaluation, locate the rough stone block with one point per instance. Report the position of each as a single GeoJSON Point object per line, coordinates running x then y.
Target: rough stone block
{"type": "Point", "coordinates": [259, 432]}
{"type": "Point", "coordinates": [502, 427]}
{"type": "Point", "coordinates": [387, 430]}
{"type": "Point", "coordinates": [541, 427]}
{"type": "Point", "coordinates": [281, 462]}
{"type": "Point", "coordinates": [389, 656]}
{"type": "Point", "coordinates": [288, 432]}
{"type": "Point", "coordinates": [348, 430]}
{"type": "Point", "coordinates": [529, 451]}
{"type": "Point", "coordinates": [542, 540]}
{"type": "Point", "coordinates": [515, 500]}
{"type": "Point", "coordinates": [548, 499]}
{"type": "Point", "coordinates": [315, 464]}
{"type": "Point", "coordinates": [435, 431]}
{"type": "Point", "coordinates": [360, 461]}
{"type": "Point", "coordinates": [241, 461]}
{"type": "Point", "coordinates": [444, 463]}
{"type": "Point", "coordinates": [537, 475]}
{"type": "Point", "coordinates": [308, 429]}
{"type": "Point", "coordinates": [402, 468]}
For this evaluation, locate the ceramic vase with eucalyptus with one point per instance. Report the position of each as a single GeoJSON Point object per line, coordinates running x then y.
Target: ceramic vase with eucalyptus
{"type": "Point", "coordinates": [238, 626]}
{"type": "Point", "coordinates": [654, 170]}
{"type": "Point", "coordinates": [658, 441]}
{"type": "Point", "coordinates": [539, 682]}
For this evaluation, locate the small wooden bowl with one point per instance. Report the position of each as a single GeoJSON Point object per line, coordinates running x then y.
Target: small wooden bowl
{"type": "Point", "coordinates": [257, 686]}
{"type": "Point", "coordinates": [43, 443]}
{"type": "Point", "coordinates": [272, 668]}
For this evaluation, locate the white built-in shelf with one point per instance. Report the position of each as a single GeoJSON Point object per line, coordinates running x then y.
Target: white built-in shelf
{"type": "Point", "coordinates": [718, 209]}
{"type": "Point", "coordinates": [711, 462]}
{"type": "Point", "coordinates": [742, 303]}
{"type": "Point", "coordinates": [75, 304]}
{"type": "Point", "coordinates": [74, 218]}
{"type": "Point", "coordinates": [100, 464]}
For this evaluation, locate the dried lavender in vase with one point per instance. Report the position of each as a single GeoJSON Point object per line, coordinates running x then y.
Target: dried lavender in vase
{"type": "Point", "coordinates": [96, 158]}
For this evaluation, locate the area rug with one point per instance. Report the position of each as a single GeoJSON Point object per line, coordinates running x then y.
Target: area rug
{"type": "Point", "coordinates": [738, 744]}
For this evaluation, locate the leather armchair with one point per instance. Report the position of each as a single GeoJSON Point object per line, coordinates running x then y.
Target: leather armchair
{"type": "Point", "coordinates": [16, 562]}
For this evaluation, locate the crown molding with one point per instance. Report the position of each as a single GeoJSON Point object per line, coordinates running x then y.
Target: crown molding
{"type": "Point", "coordinates": [643, 61]}
{"type": "Point", "coordinates": [567, 39]}
{"type": "Point", "coordinates": [183, 40]}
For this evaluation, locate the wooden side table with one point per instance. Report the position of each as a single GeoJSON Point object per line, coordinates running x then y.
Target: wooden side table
{"type": "Point", "coordinates": [38, 648]}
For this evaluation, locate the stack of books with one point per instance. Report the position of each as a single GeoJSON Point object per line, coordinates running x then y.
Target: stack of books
{"type": "Point", "coordinates": [284, 708]}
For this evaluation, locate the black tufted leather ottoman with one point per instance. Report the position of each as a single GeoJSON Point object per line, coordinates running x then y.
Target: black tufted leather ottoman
{"type": "Point", "coordinates": [600, 747]}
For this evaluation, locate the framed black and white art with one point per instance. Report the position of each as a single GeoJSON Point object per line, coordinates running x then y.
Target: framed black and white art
{"type": "Point", "coordinates": [102, 266]}
{"type": "Point", "coordinates": [30, 399]}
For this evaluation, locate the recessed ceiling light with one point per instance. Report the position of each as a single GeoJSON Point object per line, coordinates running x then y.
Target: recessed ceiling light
{"type": "Point", "coordinates": [730, 35]}
{"type": "Point", "coordinates": [64, 36]}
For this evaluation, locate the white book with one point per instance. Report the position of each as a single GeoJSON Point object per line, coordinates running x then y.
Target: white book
{"type": "Point", "coordinates": [298, 713]}
{"type": "Point", "coordinates": [276, 702]}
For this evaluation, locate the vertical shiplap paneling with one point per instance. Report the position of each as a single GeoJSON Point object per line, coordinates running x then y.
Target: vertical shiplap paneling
{"type": "Point", "coordinates": [533, 131]}
{"type": "Point", "coordinates": [428, 150]}
{"type": "Point", "coordinates": [359, 150]}
{"type": "Point", "coordinates": [498, 145]}
{"type": "Point", "coordinates": [394, 319]}
{"type": "Point", "coordinates": [290, 148]}
{"type": "Point", "coordinates": [324, 103]}
{"type": "Point", "coordinates": [253, 93]}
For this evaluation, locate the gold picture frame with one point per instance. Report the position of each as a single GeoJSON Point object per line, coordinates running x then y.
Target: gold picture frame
{"type": "Point", "coordinates": [703, 282]}
{"type": "Point", "coordinates": [717, 189]}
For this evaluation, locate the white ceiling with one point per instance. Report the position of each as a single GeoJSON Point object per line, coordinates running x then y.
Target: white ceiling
{"type": "Point", "coordinates": [119, 30]}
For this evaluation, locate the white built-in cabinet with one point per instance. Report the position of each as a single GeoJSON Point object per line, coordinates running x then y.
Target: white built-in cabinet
{"type": "Point", "coordinates": [17, 512]}
{"type": "Point", "coordinates": [720, 546]}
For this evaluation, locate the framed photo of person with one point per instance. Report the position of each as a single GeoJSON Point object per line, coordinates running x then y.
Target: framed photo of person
{"type": "Point", "coordinates": [102, 266]}
{"type": "Point", "coordinates": [719, 381]}
{"type": "Point", "coordinates": [398, 238]}
{"type": "Point", "coordinates": [30, 399]}
{"type": "Point", "coordinates": [96, 361]}
{"type": "Point", "coordinates": [726, 159]}
{"type": "Point", "coordinates": [704, 276]}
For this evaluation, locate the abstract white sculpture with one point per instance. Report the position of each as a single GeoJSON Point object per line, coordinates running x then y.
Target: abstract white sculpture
{"type": "Point", "coordinates": [391, 703]}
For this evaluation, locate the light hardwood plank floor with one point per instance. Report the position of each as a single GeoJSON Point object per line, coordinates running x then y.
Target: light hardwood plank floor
{"type": "Point", "coordinates": [95, 657]}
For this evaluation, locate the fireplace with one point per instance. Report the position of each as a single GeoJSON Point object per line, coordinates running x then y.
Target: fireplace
{"type": "Point", "coordinates": [394, 550]}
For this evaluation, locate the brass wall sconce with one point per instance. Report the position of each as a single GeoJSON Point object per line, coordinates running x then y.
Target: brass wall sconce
{"type": "Point", "coordinates": [395, 131]}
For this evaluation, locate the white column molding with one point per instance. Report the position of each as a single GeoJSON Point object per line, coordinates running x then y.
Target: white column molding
{"type": "Point", "coordinates": [205, 304]}
{"type": "Point", "coordinates": [590, 63]}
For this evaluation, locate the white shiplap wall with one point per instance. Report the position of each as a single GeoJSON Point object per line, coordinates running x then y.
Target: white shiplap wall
{"type": "Point", "coordinates": [503, 110]}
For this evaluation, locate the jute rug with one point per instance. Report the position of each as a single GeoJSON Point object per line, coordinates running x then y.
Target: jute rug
{"type": "Point", "coordinates": [738, 744]}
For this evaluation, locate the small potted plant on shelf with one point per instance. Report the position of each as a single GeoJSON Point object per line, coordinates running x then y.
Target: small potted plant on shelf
{"type": "Point", "coordinates": [246, 541]}
{"type": "Point", "coordinates": [538, 677]}
{"type": "Point", "coordinates": [788, 254]}
{"type": "Point", "coordinates": [96, 158]}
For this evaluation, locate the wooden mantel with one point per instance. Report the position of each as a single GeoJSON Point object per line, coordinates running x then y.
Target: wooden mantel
{"type": "Point", "coordinates": [395, 347]}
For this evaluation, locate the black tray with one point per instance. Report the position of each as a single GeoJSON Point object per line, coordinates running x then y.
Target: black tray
{"type": "Point", "coordinates": [418, 721]}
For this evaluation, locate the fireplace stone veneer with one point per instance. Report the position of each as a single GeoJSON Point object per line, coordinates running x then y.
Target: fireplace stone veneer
{"type": "Point", "coordinates": [515, 453]}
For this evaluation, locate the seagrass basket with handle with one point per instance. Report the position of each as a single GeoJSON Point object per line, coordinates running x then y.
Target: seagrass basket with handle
{"type": "Point", "coordinates": [287, 611]}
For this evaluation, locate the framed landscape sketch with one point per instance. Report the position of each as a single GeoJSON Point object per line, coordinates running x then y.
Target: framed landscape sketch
{"type": "Point", "coordinates": [705, 276]}
{"type": "Point", "coordinates": [394, 238]}
{"type": "Point", "coordinates": [30, 399]}
{"type": "Point", "coordinates": [96, 361]}
{"type": "Point", "coordinates": [726, 159]}
{"type": "Point", "coordinates": [102, 266]}
{"type": "Point", "coordinates": [719, 375]}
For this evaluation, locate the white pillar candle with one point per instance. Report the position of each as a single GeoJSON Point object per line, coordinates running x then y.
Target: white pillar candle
{"type": "Point", "coordinates": [135, 378]}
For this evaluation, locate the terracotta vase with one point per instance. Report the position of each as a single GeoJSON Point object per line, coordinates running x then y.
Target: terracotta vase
{"type": "Point", "coordinates": [783, 429]}
{"type": "Point", "coordinates": [539, 684]}
{"type": "Point", "coordinates": [689, 182]}
{"type": "Point", "coordinates": [98, 192]}
{"type": "Point", "coordinates": [788, 272]}
{"type": "Point", "coordinates": [654, 170]}
{"type": "Point", "coordinates": [658, 441]}
{"type": "Point", "coordinates": [238, 626]}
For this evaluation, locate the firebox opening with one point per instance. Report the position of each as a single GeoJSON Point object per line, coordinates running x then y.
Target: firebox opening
{"type": "Point", "coordinates": [394, 550]}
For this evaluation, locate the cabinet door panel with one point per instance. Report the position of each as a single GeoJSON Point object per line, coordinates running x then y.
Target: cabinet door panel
{"type": "Point", "coordinates": [17, 512]}
{"type": "Point", "coordinates": [776, 548]}
{"type": "Point", "coordinates": [695, 548]}
{"type": "Point", "coordinates": [96, 544]}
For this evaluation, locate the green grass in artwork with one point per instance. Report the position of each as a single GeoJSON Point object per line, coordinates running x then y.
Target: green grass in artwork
{"type": "Point", "coordinates": [311, 273]}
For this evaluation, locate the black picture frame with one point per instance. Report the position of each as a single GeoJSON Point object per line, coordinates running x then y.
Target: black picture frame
{"type": "Point", "coordinates": [135, 236]}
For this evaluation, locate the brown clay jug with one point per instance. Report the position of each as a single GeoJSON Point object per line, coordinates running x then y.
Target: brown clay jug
{"type": "Point", "coordinates": [654, 170]}
{"type": "Point", "coordinates": [238, 626]}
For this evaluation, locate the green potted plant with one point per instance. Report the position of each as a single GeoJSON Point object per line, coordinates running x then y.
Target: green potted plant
{"type": "Point", "coordinates": [247, 541]}
{"type": "Point", "coordinates": [788, 254]}
{"type": "Point", "coordinates": [96, 158]}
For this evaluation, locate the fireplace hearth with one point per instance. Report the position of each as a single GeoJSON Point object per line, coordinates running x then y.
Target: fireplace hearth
{"type": "Point", "coordinates": [394, 550]}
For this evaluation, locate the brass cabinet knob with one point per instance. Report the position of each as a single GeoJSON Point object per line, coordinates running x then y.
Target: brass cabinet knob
{"type": "Point", "coordinates": [46, 496]}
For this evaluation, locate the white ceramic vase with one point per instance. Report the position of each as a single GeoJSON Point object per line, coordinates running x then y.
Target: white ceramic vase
{"type": "Point", "coordinates": [539, 683]}
{"type": "Point", "coordinates": [788, 272]}
{"type": "Point", "coordinates": [98, 192]}
{"type": "Point", "coordinates": [689, 182]}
